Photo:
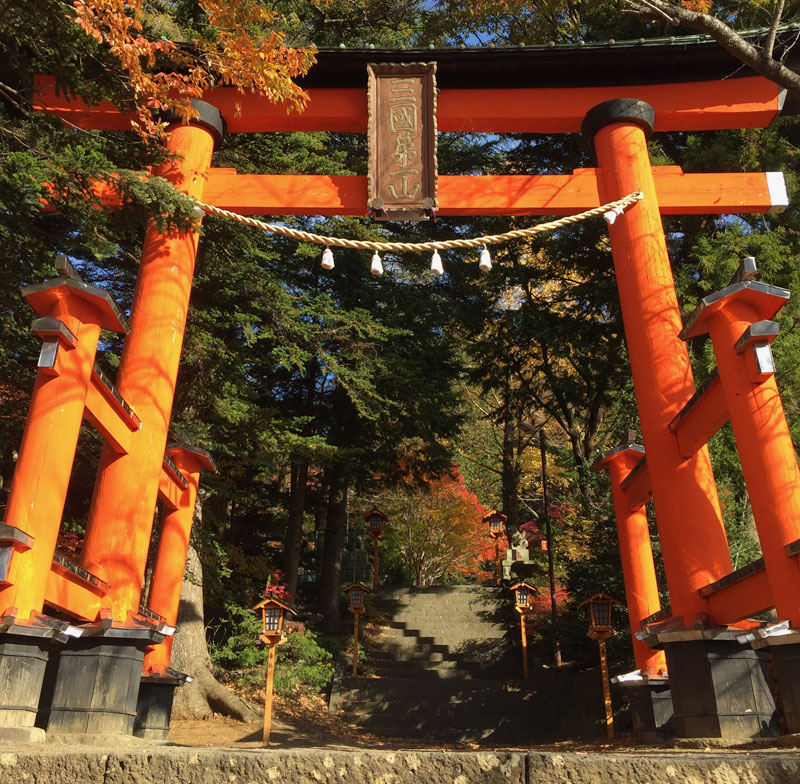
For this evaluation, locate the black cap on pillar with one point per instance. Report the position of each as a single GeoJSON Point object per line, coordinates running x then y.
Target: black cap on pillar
{"type": "Point", "coordinates": [625, 110]}
{"type": "Point", "coordinates": [209, 117]}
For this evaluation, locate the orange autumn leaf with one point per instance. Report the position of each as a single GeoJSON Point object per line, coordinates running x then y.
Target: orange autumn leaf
{"type": "Point", "coordinates": [237, 48]}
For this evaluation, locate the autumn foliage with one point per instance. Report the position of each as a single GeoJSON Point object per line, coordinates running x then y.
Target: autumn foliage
{"type": "Point", "coordinates": [236, 47]}
{"type": "Point", "coordinates": [437, 530]}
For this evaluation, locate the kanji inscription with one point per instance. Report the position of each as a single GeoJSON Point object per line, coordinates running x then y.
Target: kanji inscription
{"type": "Point", "coordinates": [402, 140]}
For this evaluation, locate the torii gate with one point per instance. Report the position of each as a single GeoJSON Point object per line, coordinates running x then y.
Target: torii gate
{"type": "Point", "coordinates": [102, 594]}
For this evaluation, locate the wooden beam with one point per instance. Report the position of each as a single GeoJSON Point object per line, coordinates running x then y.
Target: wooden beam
{"type": "Point", "coordinates": [636, 486]}
{"type": "Point", "coordinates": [741, 598]}
{"type": "Point", "coordinates": [169, 491]}
{"type": "Point", "coordinates": [749, 102]}
{"type": "Point", "coordinates": [700, 418]}
{"type": "Point", "coordinates": [114, 423]}
{"type": "Point", "coordinates": [535, 194]}
{"type": "Point", "coordinates": [71, 594]}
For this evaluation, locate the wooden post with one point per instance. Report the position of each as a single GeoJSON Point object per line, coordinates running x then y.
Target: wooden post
{"type": "Point", "coordinates": [497, 573]}
{"type": "Point", "coordinates": [636, 555]}
{"type": "Point", "coordinates": [355, 642]}
{"type": "Point", "coordinates": [268, 693]}
{"type": "Point", "coordinates": [121, 516]}
{"type": "Point", "coordinates": [522, 621]}
{"type": "Point", "coordinates": [683, 490]}
{"type": "Point", "coordinates": [41, 478]}
{"type": "Point", "coordinates": [606, 687]}
{"type": "Point", "coordinates": [375, 562]}
{"type": "Point", "coordinates": [550, 565]}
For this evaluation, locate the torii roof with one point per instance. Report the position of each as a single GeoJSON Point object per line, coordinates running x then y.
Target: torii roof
{"type": "Point", "coordinates": [642, 61]}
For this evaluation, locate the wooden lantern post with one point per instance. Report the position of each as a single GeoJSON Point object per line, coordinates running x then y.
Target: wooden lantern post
{"type": "Point", "coordinates": [600, 629]}
{"type": "Point", "coordinates": [523, 596]}
{"type": "Point", "coordinates": [273, 612]}
{"type": "Point", "coordinates": [497, 528]}
{"type": "Point", "coordinates": [375, 520]}
{"type": "Point", "coordinates": [356, 593]}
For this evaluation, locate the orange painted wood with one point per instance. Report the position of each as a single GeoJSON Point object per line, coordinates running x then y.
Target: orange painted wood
{"type": "Point", "coordinates": [636, 554]}
{"type": "Point", "coordinates": [39, 487]}
{"type": "Point", "coordinates": [117, 430]}
{"type": "Point", "coordinates": [169, 491]}
{"type": "Point", "coordinates": [684, 492]}
{"type": "Point", "coordinates": [749, 102]}
{"type": "Point", "coordinates": [121, 514]}
{"type": "Point", "coordinates": [540, 194]}
{"type": "Point", "coordinates": [170, 563]}
{"type": "Point", "coordinates": [638, 489]}
{"type": "Point", "coordinates": [742, 599]}
{"type": "Point", "coordinates": [707, 415]}
{"type": "Point", "coordinates": [71, 595]}
{"type": "Point", "coordinates": [766, 451]}
{"type": "Point", "coordinates": [544, 194]}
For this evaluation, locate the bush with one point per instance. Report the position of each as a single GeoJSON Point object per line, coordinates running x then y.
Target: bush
{"type": "Point", "coordinates": [302, 665]}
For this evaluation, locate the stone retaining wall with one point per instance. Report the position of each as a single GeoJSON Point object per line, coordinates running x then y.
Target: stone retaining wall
{"type": "Point", "coordinates": [180, 765]}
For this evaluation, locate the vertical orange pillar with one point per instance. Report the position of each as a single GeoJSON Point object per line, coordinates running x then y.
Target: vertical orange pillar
{"type": "Point", "coordinates": [764, 443]}
{"type": "Point", "coordinates": [690, 526]}
{"type": "Point", "coordinates": [121, 515]}
{"type": "Point", "coordinates": [170, 563]}
{"type": "Point", "coordinates": [636, 554]}
{"type": "Point", "coordinates": [39, 487]}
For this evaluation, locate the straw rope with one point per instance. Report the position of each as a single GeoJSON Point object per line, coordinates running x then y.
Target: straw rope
{"type": "Point", "coordinates": [476, 242]}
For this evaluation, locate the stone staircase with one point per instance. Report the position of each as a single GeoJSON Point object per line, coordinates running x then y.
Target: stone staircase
{"type": "Point", "coordinates": [442, 632]}
{"type": "Point", "coordinates": [445, 665]}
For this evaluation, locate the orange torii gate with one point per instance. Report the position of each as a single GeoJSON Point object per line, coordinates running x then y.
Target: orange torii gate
{"type": "Point", "coordinates": [45, 596]}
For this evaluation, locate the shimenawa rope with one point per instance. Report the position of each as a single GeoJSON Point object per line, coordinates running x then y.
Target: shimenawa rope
{"type": "Point", "coordinates": [608, 211]}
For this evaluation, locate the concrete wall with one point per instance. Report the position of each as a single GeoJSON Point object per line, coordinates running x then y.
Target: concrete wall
{"type": "Point", "coordinates": [180, 765]}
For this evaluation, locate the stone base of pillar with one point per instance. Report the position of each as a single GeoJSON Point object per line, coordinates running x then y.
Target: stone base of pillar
{"type": "Point", "coordinates": [720, 688]}
{"type": "Point", "coordinates": [92, 686]}
{"type": "Point", "coordinates": [652, 718]}
{"type": "Point", "coordinates": [23, 660]}
{"type": "Point", "coordinates": [785, 652]}
{"type": "Point", "coordinates": [154, 706]}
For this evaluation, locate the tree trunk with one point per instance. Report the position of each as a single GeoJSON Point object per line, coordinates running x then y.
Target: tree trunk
{"type": "Point", "coordinates": [511, 471]}
{"type": "Point", "coordinates": [204, 696]}
{"type": "Point", "coordinates": [294, 526]}
{"type": "Point", "coordinates": [330, 578]}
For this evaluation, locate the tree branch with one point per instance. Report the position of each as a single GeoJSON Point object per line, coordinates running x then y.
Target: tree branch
{"type": "Point", "coordinates": [760, 61]}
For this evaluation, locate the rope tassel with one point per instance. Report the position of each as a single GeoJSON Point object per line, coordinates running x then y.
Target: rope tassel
{"type": "Point", "coordinates": [377, 266]}
{"type": "Point", "coordinates": [485, 264]}
{"type": "Point", "coordinates": [436, 264]}
{"type": "Point", "coordinates": [327, 259]}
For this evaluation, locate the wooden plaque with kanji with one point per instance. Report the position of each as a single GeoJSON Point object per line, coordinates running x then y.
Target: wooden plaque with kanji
{"type": "Point", "coordinates": [402, 140]}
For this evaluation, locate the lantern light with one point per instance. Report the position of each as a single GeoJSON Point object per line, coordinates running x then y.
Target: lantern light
{"type": "Point", "coordinates": [485, 264]}
{"type": "Point", "coordinates": [327, 259]}
{"type": "Point", "coordinates": [356, 593]}
{"type": "Point", "coordinates": [377, 266]}
{"type": "Point", "coordinates": [273, 615]}
{"type": "Point", "coordinates": [496, 522]}
{"type": "Point", "coordinates": [523, 596]}
{"type": "Point", "coordinates": [436, 264]}
{"type": "Point", "coordinates": [599, 607]}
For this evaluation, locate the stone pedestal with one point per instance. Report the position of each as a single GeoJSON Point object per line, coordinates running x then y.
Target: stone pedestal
{"type": "Point", "coordinates": [720, 688]}
{"type": "Point", "coordinates": [785, 652]}
{"type": "Point", "coordinates": [651, 709]}
{"type": "Point", "coordinates": [25, 649]}
{"type": "Point", "coordinates": [22, 664]}
{"type": "Point", "coordinates": [92, 686]}
{"type": "Point", "coordinates": [154, 705]}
